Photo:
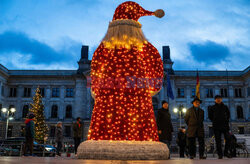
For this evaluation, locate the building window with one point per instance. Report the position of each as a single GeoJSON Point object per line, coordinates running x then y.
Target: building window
{"type": "Point", "coordinates": [26, 92]}
{"type": "Point", "coordinates": [209, 93]}
{"type": "Point", "coordinates": [240, 112]}
{"type": "Point", "coordinates": [193, 92]}
{"type": "Point", "coordinates": [52, 131]}
{"type": "Point", "coordinates": [237, 92]}
{"type": "Point", "coordinates": [241, 130]}
{"type": "Point", "coordinates": [68, 113]}
{"type": "Point", "coordinates": [155, 105]}
{"type": "Point", "coordinates": [1, 106]}
{"type": "Point", "coordinates": [55, 92]}
{"type": "Point", "coordinates": [92, 104]}
{"type": "Point", "coordinates": [248, 92]}
{"type": "Point", "coordinates": [67, 131]}
{"type": "Point", "coordinates": [12, 92]}
{"type": "Point", "coordinates": [9, 132]}
{"type": "Point", "coordinates": [42, 92]}
{"type": "Point", "coordinates": [54, 111]}
{"type": "Point", "coordinates": [70, 92]}
{"type": "Point", "coordinates": [180, 92]}
{"type": "Point", "coordinates": [25, 111]}
{"type": "Point", "coordinates": [223, 92]}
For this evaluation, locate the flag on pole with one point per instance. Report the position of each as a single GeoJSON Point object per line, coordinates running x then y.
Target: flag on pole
{"type": "Point", "coordinates": [197, 91]}
{"type": "Point", "coordinates": [169, 88]}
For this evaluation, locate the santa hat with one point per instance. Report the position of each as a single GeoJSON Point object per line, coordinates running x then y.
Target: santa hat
{"type": "Point", "coordinates": [125, 30]}
{"type": "Point", "coordinates": [132, 10]}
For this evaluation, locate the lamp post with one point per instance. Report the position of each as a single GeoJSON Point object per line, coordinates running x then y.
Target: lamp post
{"type": "Point", "coordinates": [7, 111]}
{"type": "Point", "coordinates": [181, 109]}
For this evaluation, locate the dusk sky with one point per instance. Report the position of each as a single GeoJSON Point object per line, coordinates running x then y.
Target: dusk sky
{"type": "Point", "coordinates": [48, 34]}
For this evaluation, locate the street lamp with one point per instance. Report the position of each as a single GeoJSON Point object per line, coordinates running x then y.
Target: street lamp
{"type": "Point", "coordinates": [7, 111]}
{"type": "Point", "coordinates": [181, 109]}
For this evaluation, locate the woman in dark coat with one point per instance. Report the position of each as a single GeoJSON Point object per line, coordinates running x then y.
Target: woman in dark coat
{"type": "Point", "coordinates": [194, 119]}
{"type": "Point", "coordinates": [165, 127]}
{"type": "Point", "coordinates": [59, 137]}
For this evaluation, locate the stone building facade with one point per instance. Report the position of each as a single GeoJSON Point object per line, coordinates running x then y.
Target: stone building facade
{"type": "Point", "coordinates": [66, 95]}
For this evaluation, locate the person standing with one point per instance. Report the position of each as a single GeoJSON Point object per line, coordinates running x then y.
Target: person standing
{"type": "Point", "coordinates": [29, 134]}
{"type": "Point", "coordinates": [233, 143]}
{"type": "Point", "coordinates": [77, 130]}
{"type": "Point", "coordinates": [194, 119]}
{"type": "Point", "coordinates": [219, 114]}
{"type": "Point", "coordinates": [59, 137]}
{"type": "Point", "coordinates": [181, 141]}
{"type": "Point", "coordinates": [164, 124]}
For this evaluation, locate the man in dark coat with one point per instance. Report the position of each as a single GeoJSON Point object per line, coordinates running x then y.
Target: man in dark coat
{"type": "Point", "coordinates": [181, 141]}
{"type": "Point", "coordinates": [29, 134]}
{"type": "Point", "coordinates": [77, 132]}
{"type": "Point", "coordinates": [59, 138]}
{"type": "Point", "coordinates": [194, 119]}
{"type": "Point", "coordinates": [219, 114]}
{"type": "Point", "coordinates": [164, 124]}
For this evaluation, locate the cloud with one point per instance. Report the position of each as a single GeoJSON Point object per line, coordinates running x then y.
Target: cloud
{"type": "Point", "coordinates": [63, 26]}
{"type": "Point", "coordinates": [18, 50]}
{"type": "Point", "coordinates": [40, 52]}
{"type": "Point", "coordinates": [209, 52]}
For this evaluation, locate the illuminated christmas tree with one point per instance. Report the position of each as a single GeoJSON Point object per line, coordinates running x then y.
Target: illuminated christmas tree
{"type": "Point", "coordinates": [37, 108]}
{"type": "Point", "coordinates": [126, 71]}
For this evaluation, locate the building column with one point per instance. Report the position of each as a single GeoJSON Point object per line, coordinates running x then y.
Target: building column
{"type": "Point", "coordinates": [79, 99]}
{"type": "Point", "coordinates": [18, 105]}
{"type": "Point", "coordinates": [47, 106]}
{"type": "Point", "coordinates": [61, 107]}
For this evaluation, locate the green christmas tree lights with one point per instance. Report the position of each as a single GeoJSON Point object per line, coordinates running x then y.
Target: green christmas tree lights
{"type": "Point", "coordinates": [37, 107]}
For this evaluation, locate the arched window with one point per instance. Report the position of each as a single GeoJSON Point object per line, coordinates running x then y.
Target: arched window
{"type": "Point", "coordinates": [25, 111]}
{"type": "Point", "coordinates": [155, 105]}
{"type": "Point", "coordinates": [68, 113]}
{"type": "Point", "coordinates": [90, 110]}
{"type": "Point", "coordinates": [240, 112]}
{"type": "Point", "coordinates": [54, 111]}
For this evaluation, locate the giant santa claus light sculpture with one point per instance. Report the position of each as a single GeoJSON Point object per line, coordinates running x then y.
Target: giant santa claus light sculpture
{"type": "Point", "coordinates": [126, 71]}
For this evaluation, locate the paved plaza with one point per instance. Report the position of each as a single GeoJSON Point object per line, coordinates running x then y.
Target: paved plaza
{"type": "Point", "coordinates": [64, 160]}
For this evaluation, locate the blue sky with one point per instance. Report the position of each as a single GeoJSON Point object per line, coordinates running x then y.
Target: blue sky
{"type": "Point", "coordinates": [48, 34]}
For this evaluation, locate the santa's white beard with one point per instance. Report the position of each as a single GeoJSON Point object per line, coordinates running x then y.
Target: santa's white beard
{"type": "Point", "coordinates": [124, 33]}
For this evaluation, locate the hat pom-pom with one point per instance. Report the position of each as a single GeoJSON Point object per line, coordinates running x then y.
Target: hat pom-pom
{"type": "Point", "coordinates": [159, 13]}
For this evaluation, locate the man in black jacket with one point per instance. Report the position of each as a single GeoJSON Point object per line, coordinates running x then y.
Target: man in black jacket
{"type": "Point", "coordinates": [77, 132]}
{"type": "Point", "coordinates": [194, 119]}
{"type": "Point", "coordinates": [219, 114]}
{"type": "Point", "coordinates": [164, 124]}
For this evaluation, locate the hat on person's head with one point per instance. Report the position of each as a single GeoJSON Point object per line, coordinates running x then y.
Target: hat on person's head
{"type": "Point", "coordinates": [217, 97]}
{"type": "Point", "coordinates": [196, 98]}
{"type": "Point", "coordinates": [59, 122]}
{"type": "Point", "coordinates": [31, 115]}
{"type": "Point", "coordinates": [163, 102]}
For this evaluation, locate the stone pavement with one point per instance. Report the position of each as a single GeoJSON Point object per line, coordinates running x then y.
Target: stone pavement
{"type": "Point", "coordinates": [64, 160]}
